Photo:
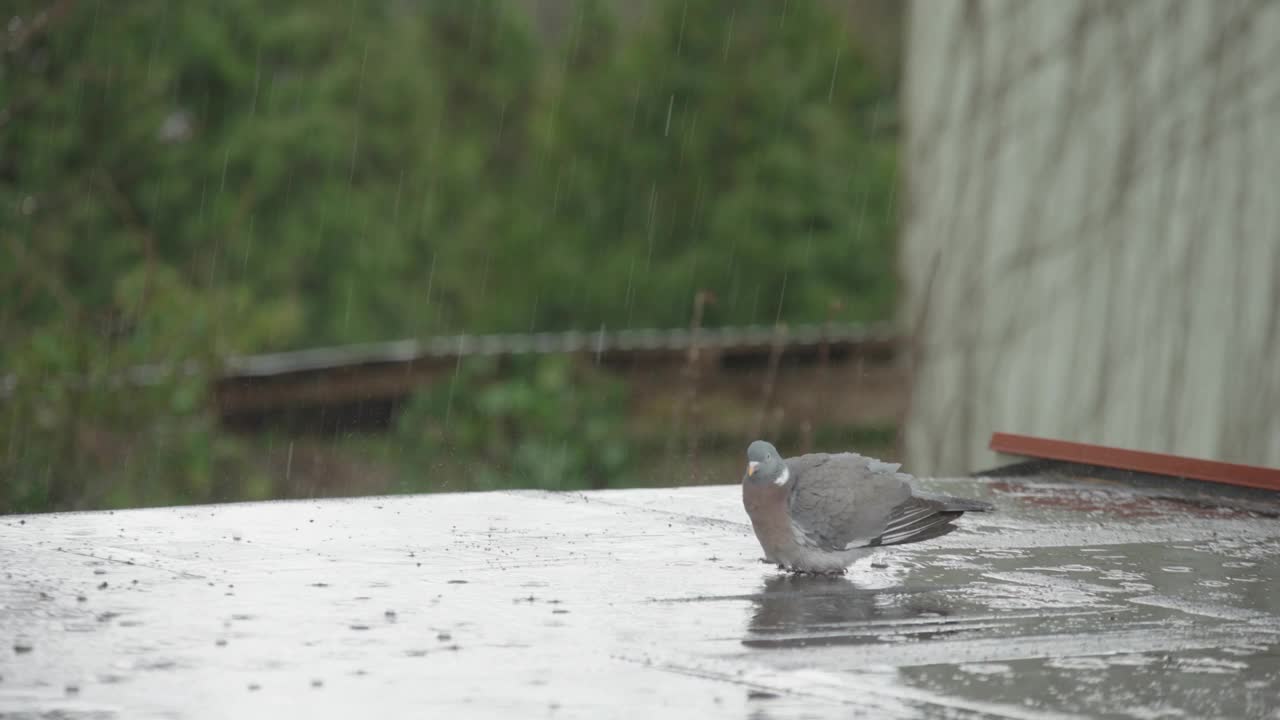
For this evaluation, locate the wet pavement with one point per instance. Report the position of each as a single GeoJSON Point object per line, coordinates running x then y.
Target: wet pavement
{"type": "Point", "coordinates": [1074, 599]}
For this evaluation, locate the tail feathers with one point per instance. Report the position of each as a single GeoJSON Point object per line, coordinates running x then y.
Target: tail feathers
{"type": "Point", "coordinates": [927, 528]}
{"type": "Point", "coordinates": [926, 516]}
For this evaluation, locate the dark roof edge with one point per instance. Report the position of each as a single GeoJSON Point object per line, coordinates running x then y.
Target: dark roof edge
{"type": "Point", "coordinates": [1251, 476]}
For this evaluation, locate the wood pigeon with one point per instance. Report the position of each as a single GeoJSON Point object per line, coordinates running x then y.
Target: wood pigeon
{"type": "Point", "coordinates": [820, 512]}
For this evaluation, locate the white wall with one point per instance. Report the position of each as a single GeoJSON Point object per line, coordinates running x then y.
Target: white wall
{"type": "Point", "coordinates": [1099, 186]}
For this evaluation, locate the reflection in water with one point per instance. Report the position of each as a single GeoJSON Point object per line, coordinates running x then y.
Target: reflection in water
{"type": "Point", "coordinates": [806, 610]}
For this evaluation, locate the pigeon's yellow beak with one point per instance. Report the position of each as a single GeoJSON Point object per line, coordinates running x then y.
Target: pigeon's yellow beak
{"type": "Point", "coordinates": [751, 468]}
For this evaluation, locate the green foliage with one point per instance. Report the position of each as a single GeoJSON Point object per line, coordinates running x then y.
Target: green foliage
{"type": "Point", "coordinates": [184, 181]}
{"type": "Point", "coordinates": [742, 151]}
{"type": "Point", "coordinates": [87, 424]}
{"type": "Point", "coordinates": [537, 422]}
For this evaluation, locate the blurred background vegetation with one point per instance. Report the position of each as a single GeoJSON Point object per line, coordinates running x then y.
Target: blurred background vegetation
{"type": "Point", "coordinates": [184, 182]}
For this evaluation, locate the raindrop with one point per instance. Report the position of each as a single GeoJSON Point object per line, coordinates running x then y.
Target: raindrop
{"type": "Point", "coordinates": [226, 159]}
{"type": "Point", "coordinates": [684, 14]}
{"type": "Point", "coordinates": [257, 79]}
{"type": "Point", "coordinates": [653, 210]}
{"type": "Point", "coordinates": [431, 274]}
{"type": "Point", "coordinates": [781, 297]}
{"type": "Point", "coordinates": [831, 90]}
{"type": "Point", "coordinates": [728, 35]}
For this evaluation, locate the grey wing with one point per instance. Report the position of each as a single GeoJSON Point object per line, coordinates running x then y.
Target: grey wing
{"type": "Point", "coordinates": [845, 501]}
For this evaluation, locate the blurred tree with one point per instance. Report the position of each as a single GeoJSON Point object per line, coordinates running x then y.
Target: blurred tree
{"type": "Point", "coordinates": [180, 182]}
{"type": "Point", "coordinates": [749, 151]}
{"type": "Point", "coordinates": [184, 181]}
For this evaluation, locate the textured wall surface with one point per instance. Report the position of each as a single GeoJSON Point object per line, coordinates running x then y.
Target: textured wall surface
{"type": "Point", "coordinates": [1092, 235]}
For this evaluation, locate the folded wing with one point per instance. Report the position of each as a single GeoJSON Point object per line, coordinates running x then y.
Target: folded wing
{"type": "Point", "coordinates": [846, 501]}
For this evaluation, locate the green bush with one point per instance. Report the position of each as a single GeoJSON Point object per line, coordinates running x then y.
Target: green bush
{"type": "Point", "coordinates": [536, 421]}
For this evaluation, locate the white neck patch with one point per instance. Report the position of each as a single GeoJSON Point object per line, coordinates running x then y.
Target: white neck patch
{"type": "Point", "coordinates": [784, 477]}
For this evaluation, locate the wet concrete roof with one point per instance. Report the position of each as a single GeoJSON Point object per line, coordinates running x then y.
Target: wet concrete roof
{"type": "Point", "coordinates": [1075, 599]}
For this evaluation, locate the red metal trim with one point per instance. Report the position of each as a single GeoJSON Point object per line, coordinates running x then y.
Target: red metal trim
{"type": "Point", "coordinates": [1136, 460]}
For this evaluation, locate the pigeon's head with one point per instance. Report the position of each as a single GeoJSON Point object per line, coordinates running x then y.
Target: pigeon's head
{"type": "Point", "coordinates": [765, 465]}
